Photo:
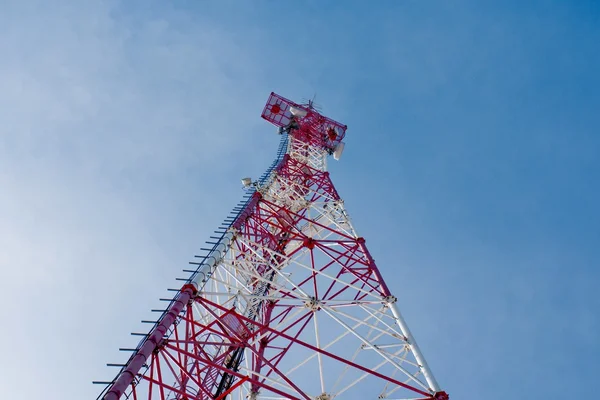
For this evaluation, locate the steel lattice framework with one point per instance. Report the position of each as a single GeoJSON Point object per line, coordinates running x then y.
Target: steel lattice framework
{"type": "Point", "coordinates": [288, 302]}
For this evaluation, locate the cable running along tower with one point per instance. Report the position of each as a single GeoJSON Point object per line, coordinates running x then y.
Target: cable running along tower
{"type": "Point", "coordinates": [287, 303]}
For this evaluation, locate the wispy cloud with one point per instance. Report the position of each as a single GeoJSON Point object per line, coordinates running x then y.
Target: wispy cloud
{"type": "Point", "coordinates": [470, 164]}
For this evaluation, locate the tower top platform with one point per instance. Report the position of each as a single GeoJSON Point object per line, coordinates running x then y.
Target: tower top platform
{"type": "Point", "coordinates": [303, 122]}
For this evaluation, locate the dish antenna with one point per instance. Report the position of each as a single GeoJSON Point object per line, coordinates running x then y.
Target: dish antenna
{"type": "Point", "coordinates": [247, 182]}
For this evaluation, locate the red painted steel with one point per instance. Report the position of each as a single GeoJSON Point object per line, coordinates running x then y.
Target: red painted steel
{"type": "Point", "coordinates": [201, 358]}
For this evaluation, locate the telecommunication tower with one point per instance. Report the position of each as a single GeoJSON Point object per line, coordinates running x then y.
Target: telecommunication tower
{"type": "Point", "coordinates": [287, 302]}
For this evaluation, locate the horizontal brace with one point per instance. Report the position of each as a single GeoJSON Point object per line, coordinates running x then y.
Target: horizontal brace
{"type": "Point", "coordinates": [145, 321]}
{"type": "Point", "coordinates": [182, 279]}
{"type": "Point", "coordinates": [123, 349]}
{"type": "Point", "coordinates": [189, 271]}
{"type": "Point", "coordinates": [158, 310]}
{"type": "Point", "coordinates": [102, 382]}
{"type": "Point", "coordinates": [115, 365]}
{"type": "Point", "coordinates": [145, 334]}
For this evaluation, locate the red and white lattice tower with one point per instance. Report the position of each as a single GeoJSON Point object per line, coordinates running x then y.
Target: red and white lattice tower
{"type": "Point", "coordinates": [288, 302]}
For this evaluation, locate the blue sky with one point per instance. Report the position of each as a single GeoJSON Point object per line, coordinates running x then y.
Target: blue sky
{"type": "Point", "coordinates": [471, 169]}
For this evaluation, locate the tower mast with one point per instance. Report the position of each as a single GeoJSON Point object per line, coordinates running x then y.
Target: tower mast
{"type": "Point", "coordinates": [288, 303]}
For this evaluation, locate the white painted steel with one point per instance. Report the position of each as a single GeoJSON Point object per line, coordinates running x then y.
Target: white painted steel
{"type": "Point", "coordinates": [371, 327]}
{"type": "Point", "coordinates": [414, 348]}
{"type": "Point", "coordinates": [318, 343]}
{"type": "Point", "coordinates": [373, 347]}
{"type": "Point", "coordinates": [206, 270]}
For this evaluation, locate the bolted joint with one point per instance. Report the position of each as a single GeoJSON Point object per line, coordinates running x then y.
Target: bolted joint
{"type": "Point", "coordinates": [310, 243]}
{"type": "Point", "coordinates": [390, 299]}
{"type": "Point", "coordinates": [190, 286]}
{"type": "Point", "coordinates": [234, 233]}
{"type": "Point", "coordinates": [159, 346]}
{"type": "Point", "coordinates": [441, 396]}
{"type": "Point", "coordinates": [313, 304]}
